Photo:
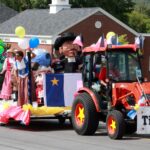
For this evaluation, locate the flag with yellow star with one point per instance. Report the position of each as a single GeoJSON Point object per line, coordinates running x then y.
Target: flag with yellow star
{"type": "Point", "coordinates": [60, 88]}
{"type": "Point", "coordinates": [54, 90]}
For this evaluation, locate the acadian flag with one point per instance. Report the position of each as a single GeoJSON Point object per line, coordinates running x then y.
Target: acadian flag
{"type": "Point", "coordinates": [60, 88]}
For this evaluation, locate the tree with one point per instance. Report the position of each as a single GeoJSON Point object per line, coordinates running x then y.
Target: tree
{"type": "Point", "coordinates": [139, 19]}
{"type": "Point", "coordinates": [125, 10]}
{"type": "Point", "coordinates": [21, 5]}
{"type": "Point", "coordinates": [118, 8]}
{"type": "Point", "coordinates": [40, 3]}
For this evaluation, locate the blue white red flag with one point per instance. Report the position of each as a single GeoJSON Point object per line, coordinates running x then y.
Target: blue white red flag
{"type": "Point", "coordinates": [60, 88]}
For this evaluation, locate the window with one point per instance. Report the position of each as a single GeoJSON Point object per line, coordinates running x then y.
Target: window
{"type": "Point", "coordinates": [126, 63]}
{"type": "Point", "coordinates": [98, 24]}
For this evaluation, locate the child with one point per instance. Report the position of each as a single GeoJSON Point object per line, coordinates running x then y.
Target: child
{"type": "Point", "coordinates": [39, 89]}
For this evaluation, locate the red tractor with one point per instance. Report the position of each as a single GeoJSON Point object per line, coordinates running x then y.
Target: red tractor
{"type": "Point", "coordinates": [113, 102]}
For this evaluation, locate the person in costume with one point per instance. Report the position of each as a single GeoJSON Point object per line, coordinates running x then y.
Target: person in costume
{"type": "Point", "coordinates": [7, 68]}
{"type": "Point", "coordinates": [22, 69]}
{"type": "Point", "coordinates": [40, 65]}
{"type": "Point", "coordinates": [68, 62]}
{"type": "Point", "coordinates": [39, 89]}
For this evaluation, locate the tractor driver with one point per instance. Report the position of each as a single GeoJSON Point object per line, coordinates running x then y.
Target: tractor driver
{"type": "Point", "coordinates": [102, 73]}
{"type": "Point", "coordinates": [113, 72]}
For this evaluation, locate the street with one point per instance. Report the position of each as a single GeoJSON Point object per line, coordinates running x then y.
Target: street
{"type": "Point", "coordinates": [50, 135]}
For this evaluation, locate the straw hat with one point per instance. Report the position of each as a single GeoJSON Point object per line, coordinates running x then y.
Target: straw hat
{"type": "Point", "coordinates": [10, 51]}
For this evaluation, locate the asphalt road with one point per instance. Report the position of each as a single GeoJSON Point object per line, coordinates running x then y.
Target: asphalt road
{"type": "Point", "coordinates": [49, 135]}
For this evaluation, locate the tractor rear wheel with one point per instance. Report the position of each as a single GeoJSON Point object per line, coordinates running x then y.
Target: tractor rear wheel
{"type": "Point", "coordinates": [115, 124]}
{"type": "Point", "coordinates": [84, 116]}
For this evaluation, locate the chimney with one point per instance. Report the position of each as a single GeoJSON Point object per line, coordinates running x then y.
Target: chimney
{"type": "Point", "coordinates": [58, 5]}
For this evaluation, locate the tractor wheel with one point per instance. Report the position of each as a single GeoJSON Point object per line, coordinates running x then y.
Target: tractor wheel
{"type": "Point", "coordinates": [84, 116]}
{"type": "Point", "coordinates": [115, 124]}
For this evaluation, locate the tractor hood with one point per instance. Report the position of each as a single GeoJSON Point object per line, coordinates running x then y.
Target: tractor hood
{"type": "Point", "coordinates": [120, 91]}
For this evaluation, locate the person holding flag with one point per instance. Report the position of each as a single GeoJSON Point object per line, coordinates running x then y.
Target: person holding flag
{"type": "Point", "coordinates": [22, 71]}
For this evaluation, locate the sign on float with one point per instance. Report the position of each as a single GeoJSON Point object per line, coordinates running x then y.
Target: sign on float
{"type": "Point", "coordinates": [143, 120]}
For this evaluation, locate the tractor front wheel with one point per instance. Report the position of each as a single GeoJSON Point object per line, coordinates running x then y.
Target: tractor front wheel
{"type": "Point", "coordinates": [84, 116]}
{"type": "Point", "coordinates": [115, 124]}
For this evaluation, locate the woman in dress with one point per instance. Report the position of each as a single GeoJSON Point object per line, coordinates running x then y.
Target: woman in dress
{"type": "Point", "coordinates": [7, 68]}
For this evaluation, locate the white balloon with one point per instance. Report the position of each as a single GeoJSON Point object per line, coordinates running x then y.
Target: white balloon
{"type": "Point", "coordinates": [23, 43]}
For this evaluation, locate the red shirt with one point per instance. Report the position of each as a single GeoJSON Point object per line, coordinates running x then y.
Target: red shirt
{"type": "Point", "coordinates": [102, 74]}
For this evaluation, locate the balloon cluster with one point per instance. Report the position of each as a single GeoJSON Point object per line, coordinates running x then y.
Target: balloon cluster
{"type": "Point", "coordinates": [2, 46]}
{"type": "Point", "coordinates": [34, 42]}
{"type": "Point", "coordinates": [24, 43]}
{"type": "Point", "coordinates": [2, 56]}
{"type": "Point", "coordinates": [20, 31]}
{"type": "Point", "coordinates": [112, 38]}
{"type": "Point", "coordinates": [110, 34]}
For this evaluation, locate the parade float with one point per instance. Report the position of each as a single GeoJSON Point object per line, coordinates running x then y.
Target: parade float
{"type": "Point", "coordinates": [54, 92]}
{"type": "Point", "coordinates": [54, 100]}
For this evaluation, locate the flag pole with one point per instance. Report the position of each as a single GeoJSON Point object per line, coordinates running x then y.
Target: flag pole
{"type": "Point", "coordinates": [29, 77]}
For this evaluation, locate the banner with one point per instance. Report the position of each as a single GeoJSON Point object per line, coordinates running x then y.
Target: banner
{"type": "Point", "coordinates": [59, 89]}
{"type": "Point", "coordinates": [143, 120]}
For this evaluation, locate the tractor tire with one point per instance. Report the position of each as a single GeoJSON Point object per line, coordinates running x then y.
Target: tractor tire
{"type": "Point", "coordinates": [84, 115]}
{"type": "Point", "coordinates": [115, 124]}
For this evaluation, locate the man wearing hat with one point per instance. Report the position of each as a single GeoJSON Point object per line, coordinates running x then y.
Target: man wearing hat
{"type": "Point", "coordinates": [69, 62]}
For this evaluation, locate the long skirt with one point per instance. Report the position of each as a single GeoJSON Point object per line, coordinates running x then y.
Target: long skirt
{"type": "Point", "coordinates": [6, 87]}
{"type": "Point", "coordinates": [22, 91]}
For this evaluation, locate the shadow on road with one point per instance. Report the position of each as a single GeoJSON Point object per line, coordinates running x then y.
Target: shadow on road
{"type": "Point", "coordinates": [40, 125]}
{"type": "Point", "coordinates": [137, 136]}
